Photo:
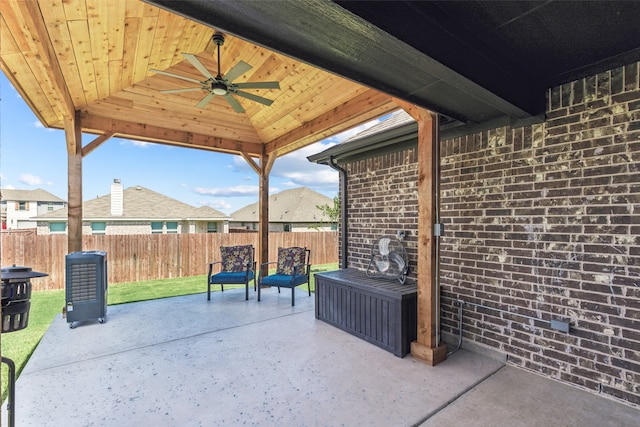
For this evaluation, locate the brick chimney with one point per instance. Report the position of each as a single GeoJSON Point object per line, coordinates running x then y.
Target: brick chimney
{"type": "Point", "coordinates": [117, 198]}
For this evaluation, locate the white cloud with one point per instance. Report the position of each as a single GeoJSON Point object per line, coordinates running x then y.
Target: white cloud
{"type": "Point", "coordinates": [39, 125]}
{"type": "Point", "coordinates": [219, 204]}
{"type": "Point", "coordinates": [135, 143]}
{"type": "Point", "coordinates": [9, 187]}
{"type": "Point", "coordinates": [27, 178]}
{"type": "Point", "coordinates": [236, 191]}
{"type": "Point", "coordinates": [296, 168]}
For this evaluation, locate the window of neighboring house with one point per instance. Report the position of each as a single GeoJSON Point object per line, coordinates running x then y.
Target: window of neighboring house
{"type": "Point", "coordinates": [172, 227]}
{"type": "Point", "coordinates": [22, 206]}
{"type": "Point", "coordinates": [156, 227]}
{"type": "Point", "coordinates": [212, 227]}
{"type": "Point", "coordinates": [57, 227]}
{"type": "Point", "coordinates": [49, 207]}
{"type": "Point", "coordinates": [287, 227]}
{"type": "Point", "coordinates": [98, 228]}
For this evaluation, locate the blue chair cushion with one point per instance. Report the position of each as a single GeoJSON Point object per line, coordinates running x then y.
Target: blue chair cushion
{"type": "Point", "coordinates": [231, 277]}
{"type": "Point", "coordinates": [282, 280]}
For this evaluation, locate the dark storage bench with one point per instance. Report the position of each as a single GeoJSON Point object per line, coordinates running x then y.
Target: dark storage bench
{"type": "Point", "coordinates": [381, 311]}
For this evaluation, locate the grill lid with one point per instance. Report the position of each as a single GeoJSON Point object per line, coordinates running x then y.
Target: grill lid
{"type": "Point", "coordinates": [19, 272]}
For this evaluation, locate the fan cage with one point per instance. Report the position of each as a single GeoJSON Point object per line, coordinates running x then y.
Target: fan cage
{"type": "Point", "coordinates": [388, 259]}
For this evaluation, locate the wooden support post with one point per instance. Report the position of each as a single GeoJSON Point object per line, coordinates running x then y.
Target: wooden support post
{"type": "Point", "coordinates": [263, 170]}
{"type": "Point", "coordinates": [263, 217]}
{"type": "Point", "coordinates": [427, 347]}
{"type": "Point", "coordinates": [266, 162]}
{"type": "Point", "coordinates": [73, 132]}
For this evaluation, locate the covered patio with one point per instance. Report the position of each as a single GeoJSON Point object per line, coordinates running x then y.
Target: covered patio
{"type": "Point", "coordinates": [232, 362]}
{"type": "Point", "coordinates": [187, 361]}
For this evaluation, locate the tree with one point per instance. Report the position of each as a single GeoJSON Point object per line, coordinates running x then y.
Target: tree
{"type": "Point", "coordinates": [331, 212]}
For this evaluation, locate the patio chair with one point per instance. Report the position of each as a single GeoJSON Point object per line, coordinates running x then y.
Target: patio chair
{"type": "Point", "coordinates": [292, 270]}
{"type": "Point", "coordinates": [237, 267]}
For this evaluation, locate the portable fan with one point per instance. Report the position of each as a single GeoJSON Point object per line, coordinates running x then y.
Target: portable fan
{"type": "Point", "coordinates": [388, 259]}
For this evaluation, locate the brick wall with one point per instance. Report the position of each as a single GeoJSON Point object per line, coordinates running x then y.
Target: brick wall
{"type": "Point", "coordinates": [382, 199]}
{"type": "Point", "coordinates": [542, 222]}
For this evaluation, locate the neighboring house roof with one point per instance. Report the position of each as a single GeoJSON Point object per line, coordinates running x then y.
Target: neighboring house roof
{"type": "Point", "coordinates": [396, 119]}
{"type": "Point", "coordinates": [140, 203]}
{"type": "Point", "coordinates": [37, 195]}
{"type": "Point", "coordinates": [399, 128]}
{"type": "Point", "coordinates": [295, 205]}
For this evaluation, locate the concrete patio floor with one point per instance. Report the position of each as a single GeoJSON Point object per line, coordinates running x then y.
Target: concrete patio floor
{"type": "Point", "coordinates": [186, 361]}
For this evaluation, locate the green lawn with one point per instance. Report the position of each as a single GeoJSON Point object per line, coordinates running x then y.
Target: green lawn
{"type": "Point", "coordinates": [18, 346]}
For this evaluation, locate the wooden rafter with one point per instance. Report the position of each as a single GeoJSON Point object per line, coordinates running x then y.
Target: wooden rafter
{"type": "Point", "coordinates": [366, 106]}
{"type": "Point", "coordinates": [65, 102]}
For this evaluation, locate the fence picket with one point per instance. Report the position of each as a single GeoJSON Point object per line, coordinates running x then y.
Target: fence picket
{"type": "Point", "coordinates": [154, 256]}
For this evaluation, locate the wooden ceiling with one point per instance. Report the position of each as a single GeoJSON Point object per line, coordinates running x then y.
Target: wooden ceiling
{"type": "Point", "coordinates": [92, 59]}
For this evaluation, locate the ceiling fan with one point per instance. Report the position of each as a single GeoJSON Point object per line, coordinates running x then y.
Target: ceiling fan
{"type": "Point", "coordinates": [221, 85]}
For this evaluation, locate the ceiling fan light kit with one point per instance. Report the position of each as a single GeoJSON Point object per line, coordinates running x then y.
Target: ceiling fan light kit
{"type": "Point", "coordinates": [221, 85]}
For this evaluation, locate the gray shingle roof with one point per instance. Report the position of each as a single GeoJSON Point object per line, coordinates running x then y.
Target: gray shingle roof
{"type": "Point", "coordinates": [396, 119]}
{"type": "Point", "coordinates": [141, 203]}
{"type": "Point", "coordinates": [37, 195]}
{"type": "Point", "coordinates": [295, 205]}
{"type": "Point", "coordinates": [393, 130]}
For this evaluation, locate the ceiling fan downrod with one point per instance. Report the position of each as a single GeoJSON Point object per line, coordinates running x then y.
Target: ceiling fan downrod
{"type": "Point", "coordinates": [218, 39]}
{"type": "Point", "coordinates": [218, 87]}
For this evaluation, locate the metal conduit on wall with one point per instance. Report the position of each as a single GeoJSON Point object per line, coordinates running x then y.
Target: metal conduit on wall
{"type": "Point", "coordinates": [438, 228]}
{"type": "Point", "coordinates": [558, 325]}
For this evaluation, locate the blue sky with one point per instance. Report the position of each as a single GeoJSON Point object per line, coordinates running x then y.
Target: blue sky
{"type": "Point", "coordinates": [32, 156]}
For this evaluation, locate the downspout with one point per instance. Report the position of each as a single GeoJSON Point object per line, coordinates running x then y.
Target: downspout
{"type": "Point", "coordinates": [343, 208]}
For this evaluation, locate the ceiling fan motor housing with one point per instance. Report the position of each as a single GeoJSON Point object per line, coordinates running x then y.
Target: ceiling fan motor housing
{"type": "Point", "coordinates": [219, 88]}
{"type": "Point", "coordinates": [218, 38]}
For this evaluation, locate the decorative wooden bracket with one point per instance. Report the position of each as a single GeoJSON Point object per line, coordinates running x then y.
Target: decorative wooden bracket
{"type": "Point", "coordinates": [96, 143]}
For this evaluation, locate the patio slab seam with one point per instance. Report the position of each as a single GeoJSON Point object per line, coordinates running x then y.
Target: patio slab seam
{"type": "Point", "coordinates": [462, 392]}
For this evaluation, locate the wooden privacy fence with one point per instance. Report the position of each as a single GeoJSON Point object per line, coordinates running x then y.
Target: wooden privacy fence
{"type": "Point", "coordinates": [133, 258]}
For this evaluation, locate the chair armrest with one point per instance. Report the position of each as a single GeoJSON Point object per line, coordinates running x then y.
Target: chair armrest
{"type": "Point", "coordinates": [266, 263]}
{"type": "Point", "coordinates": [260, 275]}
{"type": "Point", "coordinates": [251, 266]}
{"type": "Point", "coordinates": [211, 264]}
{"type": "Point", "coordinates": [301, 267]}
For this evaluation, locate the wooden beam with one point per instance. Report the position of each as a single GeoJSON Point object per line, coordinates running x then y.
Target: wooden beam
{"type": "Point", "coordinates": [361, 109]}
{"type": "Point", "coordinates": [73, 131]}
{"type": "Point", "coordinates": [95, 143]}
{"type": "Point", "coordinates": [160, 135]}
{"type": "Point", "coordinates": [50, 60]}
{"type": "Point", "coordinates": [427, 346]}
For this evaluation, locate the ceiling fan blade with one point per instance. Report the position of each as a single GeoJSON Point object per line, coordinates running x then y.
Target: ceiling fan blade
{"type": "Point", "coordinates": [234, 103]}
{"type": "Point", "coordinates": [196, 63]}
{"type": "Point", "coordinates": [239, 69]}
{"type": "Point", "coordinates": [258, 85]}
{"type": "Point", "coordinates": [253, 97]}
{"type": "Point", "coordinates": [177, 76]}
{"type": "Point", "coordinates": [186, 89]}
{"type": "Point", "coordinates": [204, 101]}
